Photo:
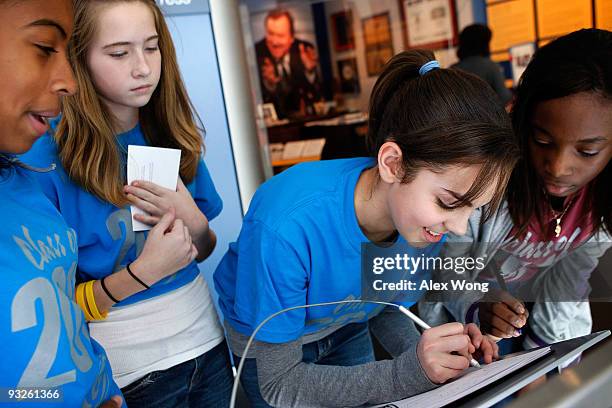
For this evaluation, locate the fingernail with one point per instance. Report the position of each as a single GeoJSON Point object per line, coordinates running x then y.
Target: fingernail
{"type": "Point", "coordinates": [517, 322]}
{"type": "Point", "coordinates": [517, 333]}
{"type": "Point", "coordinates": [521, 309]}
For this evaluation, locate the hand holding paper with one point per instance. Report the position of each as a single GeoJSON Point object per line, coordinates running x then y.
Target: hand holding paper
{"type": "Point", "coordinates": [157, 200]}
{"type": "Point", "coordinates": [154, 186]}
{"type": "Point", "coordinates": [168, 249]}
{"type": "Point", "coordinates": [485, 347]}
{"type": "Point", "coordinates": [154, 165]}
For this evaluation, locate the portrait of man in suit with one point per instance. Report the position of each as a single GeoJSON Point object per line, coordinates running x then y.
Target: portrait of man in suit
{"type": "Point", "coordinates": [288, 67]}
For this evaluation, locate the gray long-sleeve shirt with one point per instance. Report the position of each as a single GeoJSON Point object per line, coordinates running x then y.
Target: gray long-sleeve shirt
{"type": "Point", "coordinates": [564, 312]}
{"type": "Point", "coordinates": [286, 381]}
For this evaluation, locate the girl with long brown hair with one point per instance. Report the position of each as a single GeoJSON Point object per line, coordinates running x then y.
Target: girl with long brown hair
{"type": "Point", "coordinates": [143, 293]}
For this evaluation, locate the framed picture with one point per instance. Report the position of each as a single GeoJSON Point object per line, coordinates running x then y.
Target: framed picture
{"type": "Point", "coordinates": [349, 76]}
{"type": "Point", "coordinates": [269, 112]}
{"type": "Point", "coordinates": [429, 24]}
{"type": "Point", "coordinates": [342, 30]}
{"type": "Point", "coordinates": [520, 55]}
{"type": "Point", "coordinates": [378, 42]}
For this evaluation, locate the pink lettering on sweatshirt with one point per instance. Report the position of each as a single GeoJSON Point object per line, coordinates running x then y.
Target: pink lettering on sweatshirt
{"type": "Point", "coordinates": [522, 257]}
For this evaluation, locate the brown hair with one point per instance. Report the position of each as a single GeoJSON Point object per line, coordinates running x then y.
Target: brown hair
{"type": "Point", "coordinates": [85, 137]}
{"type": "Point", "coordinates": [443, 117]}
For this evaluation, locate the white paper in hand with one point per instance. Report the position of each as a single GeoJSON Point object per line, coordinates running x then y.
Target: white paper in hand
{"type": "Point", "coordinates": [155, 164]}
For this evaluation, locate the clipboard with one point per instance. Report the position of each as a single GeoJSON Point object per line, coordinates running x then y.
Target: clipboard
{"type": "Point", "coordinates": [562, 352]}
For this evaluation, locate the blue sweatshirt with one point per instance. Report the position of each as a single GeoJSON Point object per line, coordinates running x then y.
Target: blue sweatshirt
{"type": "Point", "coordinates": [301, 244]}
{"type": "Point", "coordinates": [44, 335]}
{"type": "Point", "coordinates": [106, 240]}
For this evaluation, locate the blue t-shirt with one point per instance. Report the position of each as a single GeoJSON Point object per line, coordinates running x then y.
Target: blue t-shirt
{"type": "Point", "coordinates": [106, 240]}
{"type": "Point", "coordinates": [44, 335]}
{"type": "Point", "coordinates": [300, 244]}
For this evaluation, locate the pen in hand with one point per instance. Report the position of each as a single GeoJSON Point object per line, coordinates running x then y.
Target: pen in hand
{"type": "Point", "coordinates": [425, 326]}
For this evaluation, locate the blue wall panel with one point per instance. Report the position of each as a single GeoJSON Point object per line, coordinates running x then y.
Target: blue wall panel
{"type": "Point", "coordinates": [194, 42]}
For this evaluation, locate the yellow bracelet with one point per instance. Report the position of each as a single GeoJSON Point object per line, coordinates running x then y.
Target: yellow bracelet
{"type": "Point", "coordinates": [91, 302]}
{"type": "Point", "coordinates": [80, 299]}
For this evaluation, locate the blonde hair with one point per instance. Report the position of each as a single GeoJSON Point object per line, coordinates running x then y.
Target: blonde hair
{"type": "Point", "coordinates": [85, 137]}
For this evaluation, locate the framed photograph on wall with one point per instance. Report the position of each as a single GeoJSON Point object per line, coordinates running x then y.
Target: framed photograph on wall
{"type": "Point", "coordinates": [349, 76]}
{"type": "Point", "coordinates": [269, 112]}
{"type": "Point", "coordinates": [378, 42]}
{"type": "Point", "coordinates": [429, 24]}
{"type": "Point", "coordinates": [342, 30]}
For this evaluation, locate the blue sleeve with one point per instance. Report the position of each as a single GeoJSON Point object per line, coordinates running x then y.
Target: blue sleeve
{"type": "Point", "coordinates": [270, 276]}
{"type": "Point", "coordinates": [204, 193]}
{"type": "Point", "coordinates": [43, 154]}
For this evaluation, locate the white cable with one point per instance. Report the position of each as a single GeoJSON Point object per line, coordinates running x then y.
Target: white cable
{"type": "Point", "coordinates": [248, 345]}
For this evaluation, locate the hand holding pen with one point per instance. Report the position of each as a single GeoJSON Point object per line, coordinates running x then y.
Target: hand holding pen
{"type": "Point", "coordinates": [446, 350]}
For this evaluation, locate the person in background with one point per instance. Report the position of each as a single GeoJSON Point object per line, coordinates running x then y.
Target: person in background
{"type": "Point", "coordinates": [46, 346]}
{"type": "Point", "coordinates": [473, 53]}
{"type": "Point", "coordinates": [288, 67]}
{"type": "Point", "coordinates": [147, 302]}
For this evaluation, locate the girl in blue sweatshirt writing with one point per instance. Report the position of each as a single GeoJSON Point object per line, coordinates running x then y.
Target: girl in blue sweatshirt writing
{"type": "Point", "coordinates": [441, 146]}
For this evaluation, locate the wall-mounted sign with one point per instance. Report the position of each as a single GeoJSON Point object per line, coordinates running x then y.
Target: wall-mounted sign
{"type": "Point", "coordinates": [520, 56]}
{"type": "Point", "coordinates": [342, 30]}
{"type": "Point", "coordinates": [176, 7]}
{"type": "Point", "coordinates": [429, 23]}
{"type": "Point", "coordinates": [378, 42]}
{"type": "Point", "coordinates": [349, 75]}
